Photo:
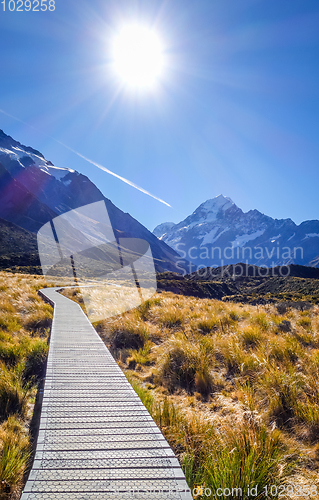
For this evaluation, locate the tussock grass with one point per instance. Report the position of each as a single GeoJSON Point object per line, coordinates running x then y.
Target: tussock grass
{"type": "Point", "coordinates": [140, 357]}
{"type": "Point", "coordinates": [234, 387]}
{"type": "Point", "coordinates": [24, 325]}
{"type": "Point", "coordinates": [205, 324]}
{"type": "Point", "coordinates": [34, 365]}
{"type": "Point", "coordinates": [261, 320]}
{"type": "Point", "coordinates": [250, 337]}
{"type": "Point", "coordinates": [13, 392]}
{"type": "Point", "coordinates": [215, 455]}
{"type": "Point", "coordinates": [251, 457]}
{"type": "Point", "coordinates": [184, 365]}
{"type": "Point", "coordinates": [14, 455]}
{"type": "Point", "coordinates": [128, 336]}
{"type": "Point", "coordinates": [39, 320]}
{"type": "Point", "coordinates": [171, 316]}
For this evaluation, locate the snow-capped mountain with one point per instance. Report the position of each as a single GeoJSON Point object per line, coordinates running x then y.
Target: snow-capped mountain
{"type": "Point", "coordinates": [219, 233]}
{"type": "Point", "coordinates": [33, 191]}
{"type": "Point", "coordinates": [163, 228]}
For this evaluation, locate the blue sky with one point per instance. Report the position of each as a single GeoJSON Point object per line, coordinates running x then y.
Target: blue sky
{"type": "Point", "coordinates": [236, 111]}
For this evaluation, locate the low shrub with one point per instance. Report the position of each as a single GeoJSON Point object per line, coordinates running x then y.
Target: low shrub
{"type": "Point", "coordinates": [35, 361]}
{"type": "Point", "coordinates": [284, 326]}
{"type": "Point", "coordinates": [184, 365]}
{"type": "Point", "coordinates": [128, 336]}
{"type": "Point", "coordinates": [282, 307]}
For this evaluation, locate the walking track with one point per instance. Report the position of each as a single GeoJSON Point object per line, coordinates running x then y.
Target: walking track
{"type": "Point", "coordinates": [96, 439]}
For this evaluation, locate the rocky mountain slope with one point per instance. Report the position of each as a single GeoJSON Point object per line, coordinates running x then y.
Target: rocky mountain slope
{"type": "Point", "coordinates": [219, 233]}
{"type": "Point", "coordinates": [18, 249]}
{"type": "Point", "coordinates": [33, 191]}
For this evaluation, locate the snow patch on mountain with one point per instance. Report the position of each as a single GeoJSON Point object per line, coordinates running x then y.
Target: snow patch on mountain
{"type": "Point", "coordinates": [210, 209]}
{"type": "Point", "coordinates": [311, 235]}
{"type": "Point", "coordinates": [241, 240]}
{"type": "Point", "coordinates": [66, 182]}
{"type": "Point", "coordinates": [162, 229]}
{"type": "Point", "coordinates": [58, 172]}
{"type": "Point", "coordinates": [33, 191]}
{"type": "Point", "coordinates": [25, 159]}
{"type": "Point", "coordinates": [258, 239]}
{"type": "Point", "coordinates": [274, 238]}
{"type": "Point", "coordinates": [212, 236]}
{"type": "Point", "coordinates": [220, 202]}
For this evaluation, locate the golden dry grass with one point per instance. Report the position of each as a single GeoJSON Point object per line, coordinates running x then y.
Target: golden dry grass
{"type": "Point", "coordinates": [24, 326]}
{"type": "Point", "coordinates": [230, 367]}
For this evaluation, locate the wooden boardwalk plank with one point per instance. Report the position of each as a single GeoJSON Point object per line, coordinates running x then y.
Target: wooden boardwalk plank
{"type": "Point", "coordinates": [96, 439]}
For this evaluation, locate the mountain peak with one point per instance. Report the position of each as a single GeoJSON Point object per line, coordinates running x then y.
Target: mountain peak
{"type": "Point", "coordinates": [33, 192]}
{"type": "Point", "coordinates": [220, 202]}
{"type": "Point", "coordinates": [17, 157]}
{"type": "Point", "coordinates": [218, 233]}
{"type": "Point", "coordinates": [8, 143]}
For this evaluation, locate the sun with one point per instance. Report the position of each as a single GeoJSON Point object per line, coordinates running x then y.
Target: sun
{"type": "Point", "coordinates": [138, 56]}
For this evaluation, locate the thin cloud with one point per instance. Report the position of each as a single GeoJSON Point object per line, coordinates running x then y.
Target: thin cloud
{"type": "Point", "coordinates": [123, 179]}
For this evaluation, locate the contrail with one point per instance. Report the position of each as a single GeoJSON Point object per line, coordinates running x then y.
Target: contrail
{"type": "Point", "coordinates": [130, 183]}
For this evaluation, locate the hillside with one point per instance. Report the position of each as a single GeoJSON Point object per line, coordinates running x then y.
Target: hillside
{"type": "Point", "coordinates": [33, 191]}
{"type": "Point", "coordinates": [15, 240]}
{"type": "Point", "coordinates": [252, 286]}
{"type": "Point", "coordinates": [18, 249]}
{"type": "Point", "coordinates": [228, 384]}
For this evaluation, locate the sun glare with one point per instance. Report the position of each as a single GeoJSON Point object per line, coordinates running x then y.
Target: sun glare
{"type": "Point", "coordinates": [138, 56]}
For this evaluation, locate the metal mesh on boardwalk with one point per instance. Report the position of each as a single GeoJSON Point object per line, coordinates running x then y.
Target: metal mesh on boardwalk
{"type": "Point", "coordinates": [96, 440]}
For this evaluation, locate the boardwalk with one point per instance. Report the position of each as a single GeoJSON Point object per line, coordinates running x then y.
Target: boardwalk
{"type": "Point", "coordinates": [96, 440]}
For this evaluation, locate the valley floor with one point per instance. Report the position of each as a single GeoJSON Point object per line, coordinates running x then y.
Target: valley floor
{"type": "Point", "coordinates": [233, 387]}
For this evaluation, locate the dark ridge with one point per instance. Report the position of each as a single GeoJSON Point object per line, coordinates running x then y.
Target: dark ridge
{"type": "Point", "coordinates": [248, 270]}
{"type": "Point", "coordinates": [6, 141]}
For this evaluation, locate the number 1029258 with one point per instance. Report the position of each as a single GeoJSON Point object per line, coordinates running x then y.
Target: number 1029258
{"type": "Point", "coordinates": [28, 5]}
